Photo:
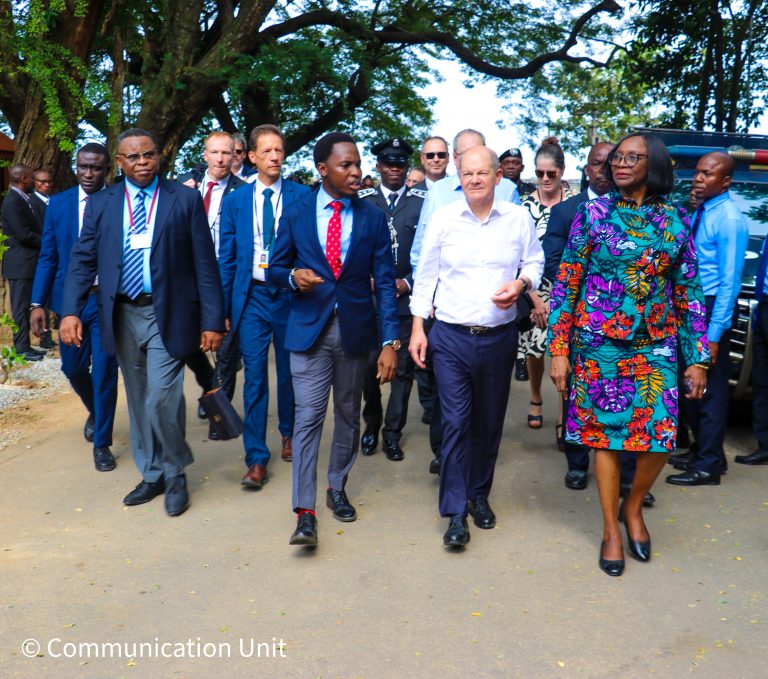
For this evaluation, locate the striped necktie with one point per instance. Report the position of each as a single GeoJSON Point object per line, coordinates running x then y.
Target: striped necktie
{"type": "Point", "coordinates": [133, 260]}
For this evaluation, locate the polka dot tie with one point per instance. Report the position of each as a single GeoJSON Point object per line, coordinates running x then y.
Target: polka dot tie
{"type": "Point", "coordinates": [333, 240]}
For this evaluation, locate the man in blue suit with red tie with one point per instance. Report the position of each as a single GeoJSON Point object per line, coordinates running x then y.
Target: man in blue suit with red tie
{"type": "Point", "coordinates": [91, 371]}
{"type": "Point", "coordinates": [334, 251]}
{"type": "Point", "coordinates": [159, 300]}
{"type": "Point", "coordinates": [258, 311]}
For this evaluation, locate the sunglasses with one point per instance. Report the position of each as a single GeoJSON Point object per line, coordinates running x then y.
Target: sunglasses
{"type": "Point", "coordinates": [552, 174]}
{"type": "Point", "coordinates": [436, 154]}
{"type": "Point", "coordinates": [239, 152]}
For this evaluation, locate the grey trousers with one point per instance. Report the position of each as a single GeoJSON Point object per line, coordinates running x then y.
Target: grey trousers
{"type": "Point", "coordinates": [154, 389]}
{"type": "Point", "coordinates": [314, 372]}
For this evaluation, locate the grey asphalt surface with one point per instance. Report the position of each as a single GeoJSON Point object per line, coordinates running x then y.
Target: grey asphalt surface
{"type": "Point", "coordinates": [380, 597]}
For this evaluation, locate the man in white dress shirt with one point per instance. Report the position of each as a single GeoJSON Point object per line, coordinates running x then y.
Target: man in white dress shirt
{"type": "Point", "coordinates": [479, 254]}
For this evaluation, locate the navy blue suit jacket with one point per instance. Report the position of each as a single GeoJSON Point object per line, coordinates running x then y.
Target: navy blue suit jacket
{"type": "Point", "coordinates": [59, 235]}
{"type": "Point", "coordinates": [558, 230]}
{"type": "Point", "coordinates": [236, 243]}
{"type": "Point", "coordinates": [186, 288]}
{"type": "Point", "coordinates": [369, 255]}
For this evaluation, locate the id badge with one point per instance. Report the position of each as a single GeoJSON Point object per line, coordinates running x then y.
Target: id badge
{"type": "Point", "coordinates": [140, 241]}
{"type": "Point", "coordinates": [263, 259]}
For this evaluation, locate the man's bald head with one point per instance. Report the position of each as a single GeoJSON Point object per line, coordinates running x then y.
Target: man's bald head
{"type": "Point", "coordinates": [479, 173]}
{"type": "Point", "coordinates": [22, 177]}
{"type": "Point", "coordinates": [713, 175]}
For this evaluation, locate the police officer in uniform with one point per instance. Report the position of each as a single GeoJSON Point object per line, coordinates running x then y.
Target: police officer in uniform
{"type": "Point", "coordinates": [402, 206]}
{"type": "Point", "coordinates": [512, 167]}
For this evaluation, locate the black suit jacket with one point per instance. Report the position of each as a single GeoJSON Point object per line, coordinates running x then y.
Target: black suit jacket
{"type": "Point", "coordinates": [558, 229]}
{"type": "Point", "coordinates": [403, 220]}
{"type": "Point", "coordinates": [24, 236]}
{"type": "Point", "coordinates": [38, 207]}
{"type": "Point", "coordinates": [186, 288]}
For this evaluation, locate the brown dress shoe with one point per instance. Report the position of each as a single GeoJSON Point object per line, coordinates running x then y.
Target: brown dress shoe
{"type": "Point", "coordinates": [256, 476]}
{"type": "Point", "coordinates": [287, 452]}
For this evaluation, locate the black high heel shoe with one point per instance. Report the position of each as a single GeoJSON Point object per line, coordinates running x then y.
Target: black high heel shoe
{"type": "Point", "coordinates": [614, 568]}
{"type": "Point", "coordinates": [640, 550]}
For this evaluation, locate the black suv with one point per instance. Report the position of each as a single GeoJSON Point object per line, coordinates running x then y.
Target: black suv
{"type": "Point", "coordinates": [750, 191]}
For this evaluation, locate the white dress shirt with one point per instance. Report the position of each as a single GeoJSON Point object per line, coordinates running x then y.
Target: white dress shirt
{"type": "Point", "coordinates": [258, 220]}
{"type": "Point", "coordinates": [464, 261]}
{"type": "Point", "coordinates": [42, 197]}
{"type": "Point", "coordinates": [386, 192]}
{"type": "Point", "coordinates": [214, 209]}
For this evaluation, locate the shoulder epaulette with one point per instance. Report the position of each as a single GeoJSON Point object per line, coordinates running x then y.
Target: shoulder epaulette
{"type": "Point", "coordinates": [419, 193]}
{"type": "Point", "coordinates": [364, 193]}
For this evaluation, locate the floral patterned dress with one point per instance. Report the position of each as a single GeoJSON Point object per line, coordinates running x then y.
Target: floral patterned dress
{"type": "Point", "coordinates": [627, 304]}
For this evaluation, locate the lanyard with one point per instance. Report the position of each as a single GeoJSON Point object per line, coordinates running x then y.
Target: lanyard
{"type": "Point", "coordinates": [151, 207]}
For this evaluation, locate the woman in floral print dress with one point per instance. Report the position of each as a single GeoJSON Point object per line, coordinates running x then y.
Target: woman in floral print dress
{"type": "Point", "coordinates": [626, 306]}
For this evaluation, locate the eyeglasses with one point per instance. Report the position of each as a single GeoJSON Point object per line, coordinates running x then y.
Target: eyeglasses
{"type": "Point", "coordinates": [630, 159]}
{"type": "Point", "coordinates": [132, 158]}
{"type": "Point", "coordinates": [552, 174]}
{"type": "Point", "coordinates": [43, 181]}
{"type": "Point", "coordinates": [430, 155]}
{"type": "Point", "coordinates": [239, 152]}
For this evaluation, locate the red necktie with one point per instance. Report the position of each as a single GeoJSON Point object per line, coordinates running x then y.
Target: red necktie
{"type": "Point", "coordinates": [207, 199]}
{"type": "Point", "coordinates": [333, 240]}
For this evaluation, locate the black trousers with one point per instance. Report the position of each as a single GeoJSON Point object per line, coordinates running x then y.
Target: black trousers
{"type": "Point", "coordinates": [708, 416]}
{"type": "Point", "coordinates": [400, 390]}
{"type": "Point", "coordinates": [760, 376]}
{"type": "Point", "coordinates": [21, 296]}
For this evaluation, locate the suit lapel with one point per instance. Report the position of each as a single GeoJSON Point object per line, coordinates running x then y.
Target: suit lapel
{"type": "Point", "coordinates": [358, 226]}
{"type": "Point", "coordinates": [114, 221]}
{"type": "Point", "coordinates": [312, 237]}
{"type": "Point", "coordinates": [165, 200]}
{"type": "Point", "coordinates": [72, 218]}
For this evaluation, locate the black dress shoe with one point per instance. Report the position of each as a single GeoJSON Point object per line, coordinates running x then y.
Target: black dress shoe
{"type": "Point", "coordinates": [306, 531]}
{"type": "Point", "coordinates": [338, 502]}
{"type": "Point", "coordinates": [481, 513]}
{"type": "Point", "coordinates": [434, 465]}
{"type": "Point", "coordinates": [103, 459]}
{"type": "Point", "coordinates": [681, 459]}
{"type": "Point", "coordinates": [640, 550]}
{"type": "Point", "coordinates": [368, 442]}
{"type": "Point", "coordinates": [694, 477]}
{"type": "Point", "coordinates": [176, 495]}
{"type": "Point", "coordinates": [213, 435]}
{"type": "Point", "coordinates": [521, 370]}
{"type": "Point", "coordinates": [392, 450]}
{"type": "Point", "coordinates": [758, 457]}
{"type": "Point", "coordinates": [33, 356]}
{"type": "Point", "coordinates": [201, 413]}
{"type": "Point", "coordinates": [88, 429]}
{"type": "Point", "coordinates": [614, 568]}
{"type": "Point", "coordinates": [39, 352]}
{"type": "Point", "coordinates": [144, 492]}
{"type": "Point", "coordinates": [576, 479]}
{"type": "Point", "coordinates": [457, 534]}
{"type": "Point", "coordinates": [648, 500]}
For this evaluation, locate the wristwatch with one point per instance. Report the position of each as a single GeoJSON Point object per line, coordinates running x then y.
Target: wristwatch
{"type": "Point", "coordinates": [395, 344]}
{"type": "Point", "coordinates": [525, 286]}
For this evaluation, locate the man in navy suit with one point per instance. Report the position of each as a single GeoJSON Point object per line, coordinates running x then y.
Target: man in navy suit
{"type": "Point", "coordinates": [330, 245]}
{"type": "Point", "coordinates": [159, 299]}
{"type": "Point", "coordinates": [555, 239]}
{"type": "Point", "coordinates": [257, 311]}
{"type": "Point", "coordinates": [91, 371]}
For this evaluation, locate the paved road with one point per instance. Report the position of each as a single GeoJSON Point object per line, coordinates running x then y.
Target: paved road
{"type": "Point", "coordinates": [380, 597]}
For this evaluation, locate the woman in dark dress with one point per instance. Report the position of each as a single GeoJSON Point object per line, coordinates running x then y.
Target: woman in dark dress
{"type": "Point", "coordinates": [626, 306]}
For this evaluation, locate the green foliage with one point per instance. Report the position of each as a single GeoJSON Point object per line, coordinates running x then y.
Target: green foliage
{"type": "Point", "coordinates": [9, 361]}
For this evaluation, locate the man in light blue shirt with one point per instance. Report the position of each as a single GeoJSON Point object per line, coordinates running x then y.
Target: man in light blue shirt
{"type": "Point", "coordinates": [721, 235]}
{"type": "Point", "coordinates": [448, 190]}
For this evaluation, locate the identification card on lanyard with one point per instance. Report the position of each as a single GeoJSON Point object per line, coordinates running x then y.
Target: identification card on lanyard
{"type": "Point", "coordinates": [140, 241]}
{"type": "Point", "coordinates": [264, 259]}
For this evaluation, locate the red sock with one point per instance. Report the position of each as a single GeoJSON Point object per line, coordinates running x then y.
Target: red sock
{"type": "Point", "coordinates": [307, 511]}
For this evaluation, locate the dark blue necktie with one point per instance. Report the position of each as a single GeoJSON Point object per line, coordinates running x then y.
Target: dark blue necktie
{"type": "Point", "coordinates": [268, 217]}
{"type": "Point", "coordinates": [133, 260]}
{"type": "Point", "coordinates": [697, 222]}
{"type": "Point", "coordinates": [392, 201]}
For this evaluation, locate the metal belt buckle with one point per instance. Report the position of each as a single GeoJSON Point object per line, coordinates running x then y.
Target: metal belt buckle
{"type": "Point", "coordinates": [477, 330]}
